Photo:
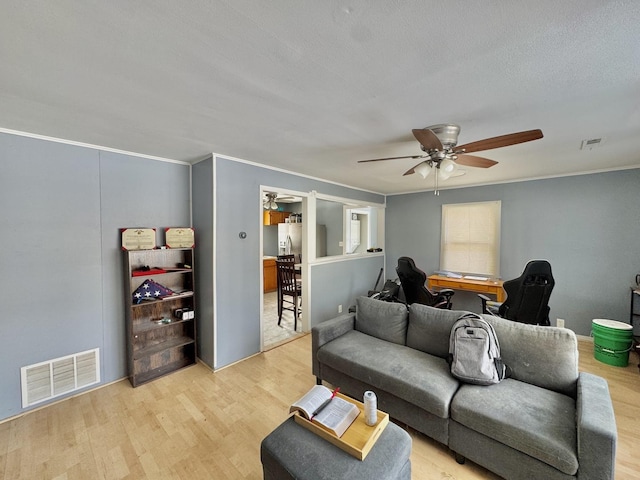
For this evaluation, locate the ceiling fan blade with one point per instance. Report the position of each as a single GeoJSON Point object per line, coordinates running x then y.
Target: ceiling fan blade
{"type": "Point", "coordinates": [473, 161]}
{"type": "Point", "coordinates": [427, 139]}
{"type": "Point", "coordinates": [392, 158]}
{"type": "Point", "coordinates": [501, 141]}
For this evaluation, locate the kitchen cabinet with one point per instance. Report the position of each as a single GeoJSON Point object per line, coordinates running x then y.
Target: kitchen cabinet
{"type": "Point", "coordinates": [274, 217]}
{"type": "Point", "coordinates": [270, 275]}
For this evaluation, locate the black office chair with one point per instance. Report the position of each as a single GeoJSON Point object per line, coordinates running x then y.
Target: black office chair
{"type": "Point", "coordinates": [413, 280]}
{"type": "Point", "coordinates": [527, 296]}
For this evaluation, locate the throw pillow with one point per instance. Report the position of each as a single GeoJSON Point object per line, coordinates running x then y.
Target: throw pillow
{"type": "Point", "coordinates": [383, 320]}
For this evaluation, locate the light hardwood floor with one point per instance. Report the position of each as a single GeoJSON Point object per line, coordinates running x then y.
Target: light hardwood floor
{"type": "Point", "coordinates": [195, 424]}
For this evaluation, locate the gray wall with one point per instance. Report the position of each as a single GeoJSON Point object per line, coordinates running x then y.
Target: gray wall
{"type": "Point", "coordinates": [587, 226]}
{"type": "Point", "coordinates": [270, 240]}
{"type": "Point", "coordinates": [60, 257]}
{"type": "Point", "coordinates": [331, 215]}
{"type": "Point", "coordinates": [202, 181]}
{"type": "Point", "coordinates": [340, 283]}
{"type": "Point", "coordinates": [238, 261]}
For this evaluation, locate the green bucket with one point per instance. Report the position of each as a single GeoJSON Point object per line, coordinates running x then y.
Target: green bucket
{"type": "Point", "coordinates": [612, 341]}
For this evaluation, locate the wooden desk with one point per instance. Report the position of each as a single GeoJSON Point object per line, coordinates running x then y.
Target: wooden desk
{"type": "Point", "coordinates": [481, 286]}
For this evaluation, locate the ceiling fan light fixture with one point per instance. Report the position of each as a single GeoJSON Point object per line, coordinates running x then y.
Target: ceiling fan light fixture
{"type": "Point", "coordinates": [447, 168]}
{"type": "Point", "coordinates": [270, 202]}
{"type": "Point", "coordinates": [424, 169]}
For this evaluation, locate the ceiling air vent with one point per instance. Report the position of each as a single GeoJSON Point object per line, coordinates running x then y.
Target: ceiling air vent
{"type": "Point", "coordinates": [591, 143]}
{"type": "Point", "coordinates": [46, 380]}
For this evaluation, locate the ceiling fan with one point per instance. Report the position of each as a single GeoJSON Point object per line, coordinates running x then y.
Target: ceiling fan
{"type": "Point", "coordinates": [442, 155]}
{"type": "Point", "coordinates": [269, 203]}
{"type": "Point", "coordinates": [270, 198]}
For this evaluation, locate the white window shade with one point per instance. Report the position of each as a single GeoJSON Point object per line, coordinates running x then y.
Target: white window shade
{"type": "Point", "coordinates": [471, 238]}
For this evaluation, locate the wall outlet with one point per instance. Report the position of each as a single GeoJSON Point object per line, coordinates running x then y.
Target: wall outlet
{"type": "Point", "coordinates": [339, 308]}
{"type": "Point", "coordinates": [560, 322]}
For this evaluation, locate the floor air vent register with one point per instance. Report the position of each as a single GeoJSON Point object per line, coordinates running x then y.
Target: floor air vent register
{"type": "Point", "coordinates": [46, 380]}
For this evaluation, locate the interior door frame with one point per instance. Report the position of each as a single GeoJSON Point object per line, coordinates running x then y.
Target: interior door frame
{"type": "Point", "coordinates": [306, 290]}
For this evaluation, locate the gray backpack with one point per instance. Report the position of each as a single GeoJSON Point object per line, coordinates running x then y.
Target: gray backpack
{"type": "Point", "coordinates": [474, 351]}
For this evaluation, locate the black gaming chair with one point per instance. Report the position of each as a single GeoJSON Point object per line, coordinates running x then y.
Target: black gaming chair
{"type": "Point", "coordinates": [413, 282]}
{"type": "Point", "coordinates": [527, 296]}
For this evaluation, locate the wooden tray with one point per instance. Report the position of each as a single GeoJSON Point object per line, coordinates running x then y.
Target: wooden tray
{"type": "Point", "coordinates": [359, 438]}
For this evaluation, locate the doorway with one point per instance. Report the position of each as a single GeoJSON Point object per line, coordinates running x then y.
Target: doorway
{"type": "Point", "coordinates": [282, 233]}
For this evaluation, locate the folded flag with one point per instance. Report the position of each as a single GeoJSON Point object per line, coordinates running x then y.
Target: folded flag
{"type": "Point", "coordinates": [150, 290]}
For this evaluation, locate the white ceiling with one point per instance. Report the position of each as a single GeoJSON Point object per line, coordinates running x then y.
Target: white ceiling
{"type": "Point", "coordinates": [313, 86]}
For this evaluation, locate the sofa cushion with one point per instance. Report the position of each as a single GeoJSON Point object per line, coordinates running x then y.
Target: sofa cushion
{"type": "Point", "coordinates": [530, 419]}
{"type": "Point", "coordinates": [383, 320]}
{"type": "Point", "coordinates": [429, 328]}
{"type": "Point", "coordinates": [543, 356]}
{"type": "Point", "coordinates": [416, 377]}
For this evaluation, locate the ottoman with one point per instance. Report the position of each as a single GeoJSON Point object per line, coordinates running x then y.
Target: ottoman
{"type": "Point", "coordinates": [293, 452]}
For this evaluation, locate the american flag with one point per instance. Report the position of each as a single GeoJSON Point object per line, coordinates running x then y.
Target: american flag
{"type": "Point", "coordinates": [150, 290]}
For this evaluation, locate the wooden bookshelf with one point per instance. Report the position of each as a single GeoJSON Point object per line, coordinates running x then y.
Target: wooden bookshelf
{"type": "Point", "coordinates": [158, 341]}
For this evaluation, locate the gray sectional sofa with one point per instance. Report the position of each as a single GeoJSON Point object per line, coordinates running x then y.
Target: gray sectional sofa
{"type": "Point", "coordinates": [546, 421]}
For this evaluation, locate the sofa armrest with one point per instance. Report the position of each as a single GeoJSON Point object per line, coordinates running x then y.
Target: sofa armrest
{"type": "Point", "coordinates": [327, 331]}
{"type": "Point", "coordinates": [596, 427]}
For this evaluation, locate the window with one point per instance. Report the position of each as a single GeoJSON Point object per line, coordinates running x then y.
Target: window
{"type": "Point", "coordinates": [471, 238]}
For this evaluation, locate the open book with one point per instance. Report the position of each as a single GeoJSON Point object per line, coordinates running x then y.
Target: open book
{"type": "Point", "coordinates": [322, 407]}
